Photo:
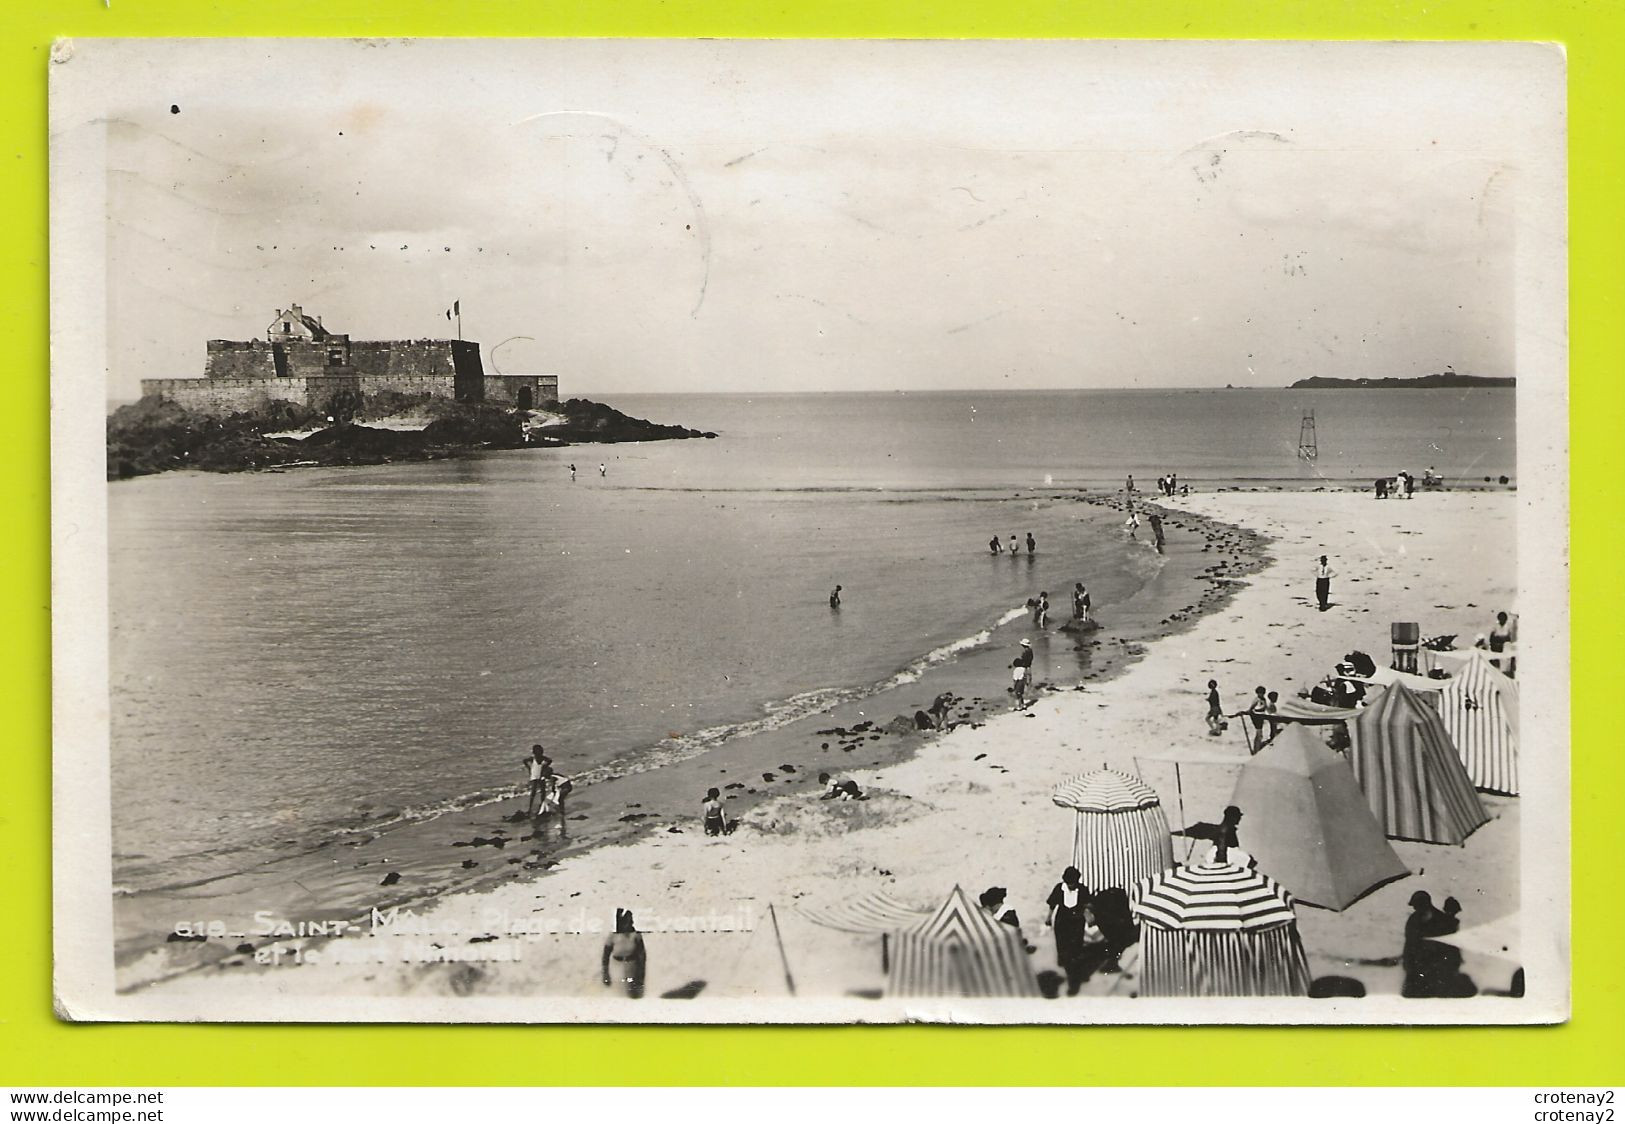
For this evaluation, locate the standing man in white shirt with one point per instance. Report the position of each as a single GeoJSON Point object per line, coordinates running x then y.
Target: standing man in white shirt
{"type": "Point", "coordinates": [1323, 583]}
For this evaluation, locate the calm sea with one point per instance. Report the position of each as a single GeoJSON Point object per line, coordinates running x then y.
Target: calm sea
{"type": "Point", "coordinates": [300, 653]}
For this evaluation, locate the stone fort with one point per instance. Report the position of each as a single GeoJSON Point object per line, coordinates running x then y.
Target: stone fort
{"type": "Point", "coordinates": [301, 361]}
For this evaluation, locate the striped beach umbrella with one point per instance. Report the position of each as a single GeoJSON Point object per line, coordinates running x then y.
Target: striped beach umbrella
{"type": "Point", "coordinates": [1409, 769]}
{"type": "Point", "coordinates": [960, 950]}
{"type": "Point", "coordinates": [1119, 834]}
{"type": "Point", "coordinates": [1218, 930]}
{"type": "Point", "coordinates": [1480, 709]}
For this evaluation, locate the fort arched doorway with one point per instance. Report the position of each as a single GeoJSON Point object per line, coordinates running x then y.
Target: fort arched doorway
{"type": "Point", "coordinates": [526, 398]}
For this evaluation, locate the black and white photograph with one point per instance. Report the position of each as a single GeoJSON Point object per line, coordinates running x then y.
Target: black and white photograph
{"type": "Point", "coordinates": [670, 531]}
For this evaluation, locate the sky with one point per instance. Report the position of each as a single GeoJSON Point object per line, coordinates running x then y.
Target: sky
{"type": "Point", "coordinates": [715, 216]}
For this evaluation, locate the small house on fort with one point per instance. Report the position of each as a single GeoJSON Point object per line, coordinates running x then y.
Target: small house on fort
{"type": "Point", "coordinates": [300, 360]}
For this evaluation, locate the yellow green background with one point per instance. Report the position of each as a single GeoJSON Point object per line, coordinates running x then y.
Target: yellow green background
{"type": "Point", "coordinates": [35, 1049]}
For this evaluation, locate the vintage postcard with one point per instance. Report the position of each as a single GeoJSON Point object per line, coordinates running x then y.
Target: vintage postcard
{"type": "Point", "coordinates": [705, 531]}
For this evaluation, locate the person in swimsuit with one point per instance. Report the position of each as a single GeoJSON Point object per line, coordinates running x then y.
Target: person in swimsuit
{"type": "Point", "coordinates": [835, 598]}
{"type": "Point", "coordinates": [625, 948]}
{"type": "Point", "coordinates": [993, 546]}
{"type": "Point", "coordinates": [1215, 711]}
{"type": "Point", "coordinates": [602, 470]}
{"type": "Point", "coordinates": [572, 473]}
{"type": "Point", "coordinates": [1502, 637]}
{"type": "Point", "coordinates": [1256, 709]}
{"type": "Point", "coordinates": [551, 809]}
{"type": "Point", "coordinates": [1032, 544]}
{"type": "Point", "coordinates": [1014, 549]}
{"type": "Point", "coordinates": [1080, 603]}
{"type": "Point", "coordinates": [536, 766]}
{"type": "Point", "coordinates": [1018, 683]}
{"type": "Point", "coordinates": [1041, 610]}
{"type": "Point", "coordinates": [716, 822]}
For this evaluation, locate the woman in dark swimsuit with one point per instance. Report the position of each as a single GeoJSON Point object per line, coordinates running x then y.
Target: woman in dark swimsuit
{"type": "Point", "coordinates": [625, 948]}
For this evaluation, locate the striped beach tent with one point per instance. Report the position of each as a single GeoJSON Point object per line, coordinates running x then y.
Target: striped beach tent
{"type": "Point", "coordinates": [1480, 709]}
{"type": "Point", "coordinates": [960, 950]}
{"type": "Point", "coordinates": [1307, 824]}
{"type": "Point", "coordinates": [1412, 776]}
{"type": "Point", "coordinates": [1218, 930]}
{"type": "Point", "coordinates": [1119, 832]}
{"type": "Point", "coordinates": [875, 912]}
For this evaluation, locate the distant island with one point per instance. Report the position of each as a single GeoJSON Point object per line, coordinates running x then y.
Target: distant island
{"type": "Point", "coordinates": [1444, 380]}
{"type": "Point", "coordinates": [158, 435]}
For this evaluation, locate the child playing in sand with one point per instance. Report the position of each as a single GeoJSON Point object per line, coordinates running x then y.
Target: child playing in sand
{"type": "Point", "coordinates": [840, 790]}
{"type": "Point", "coordinates": [716, 821]}
{"type": "Point", "coordinates": [551, 809]}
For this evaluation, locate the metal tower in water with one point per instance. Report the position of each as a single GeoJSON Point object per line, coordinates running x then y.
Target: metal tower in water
{"type": "Point", "coordinates": [1307, 448]}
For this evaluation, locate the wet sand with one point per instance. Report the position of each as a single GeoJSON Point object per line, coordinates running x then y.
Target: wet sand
{"type": "Point", "coordinates": [482, 846]}
{"type": "Point", "coordinates": [969, 806]}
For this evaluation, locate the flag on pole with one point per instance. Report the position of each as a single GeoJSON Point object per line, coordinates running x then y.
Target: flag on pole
{"type": "Point", "coordinates": [456, 309]}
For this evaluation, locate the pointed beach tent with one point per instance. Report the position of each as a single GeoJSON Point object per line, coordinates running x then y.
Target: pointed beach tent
{"type": "Point", "coordinates": [1499, 938]}
{"type": "Point", "coordinates": [1480, 709]}
{"type": "Point", "coordinates": [873, 914]}
{"type": "Point", "coordinates": [1119, 834]}
{"type": "Point", "coordinates": [1307, 823]}
{"type": "Point", "coordinates": [960, 950]}
{"type": "Point", "coordinates": [1218, 930]}
{"type": "Point", "coordinates": [1407, 765]}
{"type": "Point", "coordinates": [876, 912]}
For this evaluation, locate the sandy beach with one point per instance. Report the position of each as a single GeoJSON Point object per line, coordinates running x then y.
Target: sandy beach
{"type": "Point", "coordinates": [972, 806]}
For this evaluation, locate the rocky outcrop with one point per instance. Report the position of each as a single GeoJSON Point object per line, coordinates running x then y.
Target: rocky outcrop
{"type": "Point", "coordinates": [156, 435]}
